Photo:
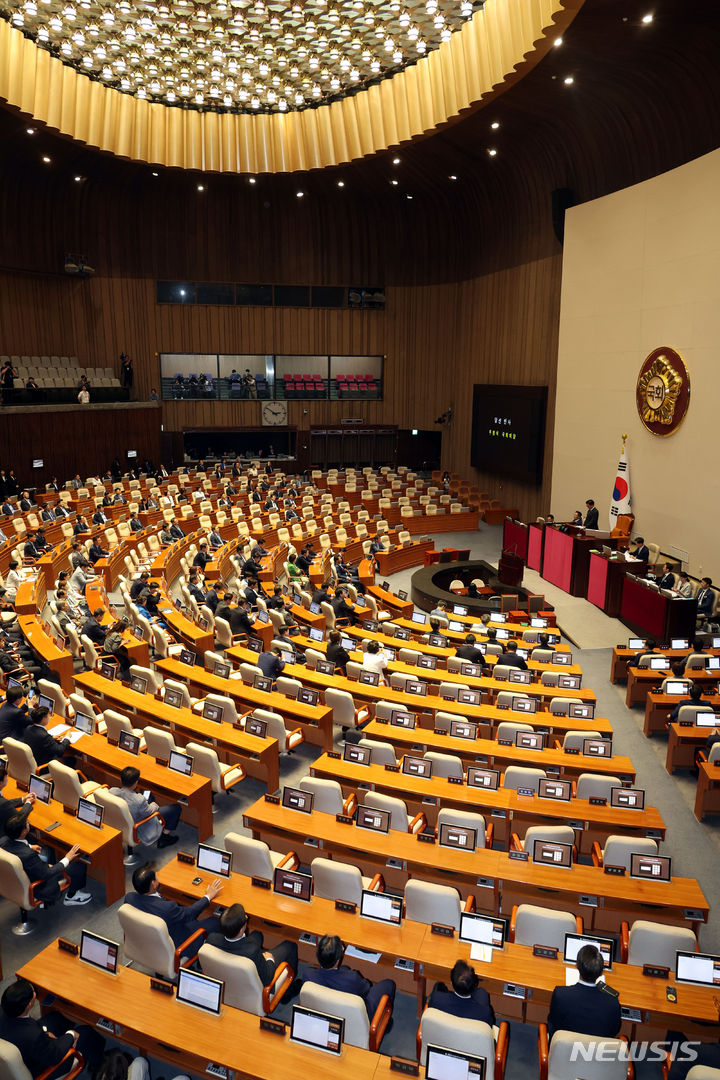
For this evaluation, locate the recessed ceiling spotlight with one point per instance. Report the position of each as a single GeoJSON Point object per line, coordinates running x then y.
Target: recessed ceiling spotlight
{"type": "Point", "coordinates": [647, 18]}
{"type": "Point", "coordinates": [46, 159]}
{"type": "Point", "coordinates": [78, 179]}
{"type": "Point", "coordinates": [492, 152]}
{"type": "Point", "coordinates": [394, 183]}
{"type": "Point", "coordinates": [252, 180]}
{"type": "Point", "coordinates": [341, 183]}
{"type": "Point", "coordinates": [557, 42]}
{"type": "Point", "coordinates": [299, 194]}
{"type": "Point", "coordinates": [569, 80]}
{"type": "Point", "coordinates": [495, 125]}
{"type": "Point", "coordinates": [452, 177]}
{"type": "Point", "coordinates": [201, 187]}
{"type": "Point", "coordinates": [30, 131]}
{"type": "Point", "coordinates": [156, 174]}
{"type": "Point", "coordinates": [408, 196]}
{"type": "Point", "coordinates": [396, 161]}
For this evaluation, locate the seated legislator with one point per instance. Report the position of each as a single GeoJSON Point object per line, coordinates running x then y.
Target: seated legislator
{"type": "Point", "coordinates": [588, 1007]}
{"type": "Point", "coordinates": [665, 580]}
{"type": "Point", "coordinates": [511, 658]}
{"type": "Point", "coordinates": [181, 921]}
{"type": "Point", "coordinates": [140, 808]}
{"type": "Point", "coordinates": [44, 1043]}
{"type": "Point", "coordinates": [467, 999]}
{"type": "Point", "coordinates": [237, 617]}
{"type": "Point", "coordinates": [139, 584]}
{"type": "Point", "coordinates": [374, 659]}
{"type": "Point", "coordinates": [705, 597]}
{"type": "Point", "coordinates": [321, 594]}
{"type": "Point", "coordinates": [336, 652]}
{"type": "Point", "coordinates": [341, 607]}
{"type": "Point", "coordinates": [468, 651]}
{"type": "Point", "coordinates": [271, 663]}
{"type": "Point", "coordinates": [335, 975]}
{"type": "Point", "coordinates": [639, 549]}
{"type": "Point", "coordinates": [14, 714]}
{"type": "Point", "coordinates": [17, 828]}
{"type": "Point", "coordinates": [92, 627]}
{"type": "Point", "coordinates": [233, 937]}
{"type": "Point", "coordinates": [44, 748]}
{"type": "Point", "coordinates": [203, 556]}
{"type": "Point", "coordinates": [8, 807]}
{"type": "Point", "coordinates": [694, 698]}
{"type": "Point", "coordinates": [684, 585]}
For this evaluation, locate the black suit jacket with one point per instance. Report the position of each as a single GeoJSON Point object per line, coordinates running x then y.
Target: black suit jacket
{"type": "Point", "coordinates": [513, 660]}
{"type": "Point", "coordinates": [475, 1007]}
{"type": "Point", "coordinates": [337, 655]}
{"type": "Point", "coordinates": [39, 1050]}
{"type": "Point", "coordinates": [7, 808]}
{"type": "Point", "coordinates": [666, 581]}
{"type": "Point", "coordinates": [37, 870]}
{"type": "Point", "coordinates": [588, 1010]}
{"type": "Point", "coordinates": [44, 747]}
{"type": "Point", "coordinates": [470, 653]}
{"type": "Point", "coordinates": [591, 518]}
{"type": "Point", "coordinates": [94, 631]}
{"type": "Point", "coordinates": [249, 946]}
{"type": "Point", "coordinates": [177, 917]}
{"type": "Point", "coordinates": [705, 600]}
{"type": "Point", "coordinates": [13, 721]}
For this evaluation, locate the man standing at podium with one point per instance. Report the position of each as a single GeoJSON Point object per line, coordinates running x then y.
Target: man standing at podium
{"type": "Point", "coordinates": [591, 517]}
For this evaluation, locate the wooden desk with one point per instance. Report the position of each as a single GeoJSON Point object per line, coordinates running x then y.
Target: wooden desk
{"type": "Point", "coordinates": [259, 757]}
{"type": "Point", "coordinates": [683, 742]}
{"type": "Point", "coordinates": [315, 720]}
{"type": "Point", "coordinates": [403, 557]}
{"type": "Point", "coordinates": [602, 899]}
{"type": "Point", "coordinates": [659, 706]}
{"type": "Point", "coordinates": [641, 680]}
{"type": "Point", "coordinates": [647, 612]}
{"type": "Point", "coordinates": [605, 580]}
{"type": "Point", "coordinates": [509, 811]}
{"type": "Point", "coordinates": [621, 657]}
{"type": "Point", "coordinates": [96, 597]}
{"type": "Point", "coordinates": [160, 1027]}
{"type": "Point", "coordinates": [103, 847]}
{"type": "Point", "coordinates": [58, 660]}
{"type": "Point", "coordinates": [707, 798]}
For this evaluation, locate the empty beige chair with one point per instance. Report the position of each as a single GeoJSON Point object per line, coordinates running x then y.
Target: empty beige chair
{"type": "Point", "coordinates": [148, 942]}
{"type": "Point", "coordinates": [574, 740]}
{"type": "Point", "coordinates": [181, 689]}
{"type": "Point", "coordinates": [381, 753]}
{"type": "Point", "coordinates": [115, 723]}
{"type": "Point", "coordinates": [334, 880]}
{"type": "Point", "coordinates": [242, 988]}
{"type": "Point", "coordinates": [428, 903]}
{"type": "Point", "coordinates": [90, 654]}
{"type": "Point", "coordinates": [21, 763]}
{"type": "Point", "coordinates": [508, 729]}
{"type": "Point", "coordinates": [160, 744]}
{"type": "Point", "coordinates": [152, 678]}
{"type": "Point", "coordinates": [703, 1072]}
{"type": "Point", "coordinates": [16, 887]}
{"type": "Point", "coordinates": [531, 925]}
{"type": "Point", "coordinates": [229, 711]}
{"type": "Point", "coordinates": [549, 678]}
{"type": "Point", "coordinates": [439, 1028]}
{"type": "Point", "coordinates": [553, 834]}
{"type": "Point", "coordinates": [367, 1033]}
{"type": "Point", "coordinates": [249, 673]}
{"type": "Point", "coordinates": [343, 707]}
{"type": "Point", "coordinates": [516, 776]}
{"type": "Point", "coordinates": [654, 943]}
{"type": "Point", "coordinates": [287, 740]}
{"type": "Point", "coordinates": [284, 685]}
{"type": "Point", "coordinates": [68, 786]}
{"type": "Point", "coordinates": [52, 690]}
{"type": "Point", "coordinates": [561, 706]}
{"type": "Point", "coordinates": [599, 1058]}
{"type": "Point", "coordinates": [206, 763]}
{"type": "Point", "coordinates": [444, 765]}
{"type": "Point", "coordinates": [466, 819]}
{"type": "Point", "coordinates": [328, 796]}
{"type": "Point", "coordinates": [253, 858]}
{"type": "Point", "coordinates": [399, 817]}
{"type": "Point", "coordinates": [593, 785]}
{"type": "Point", "coordinates": [618, 850]}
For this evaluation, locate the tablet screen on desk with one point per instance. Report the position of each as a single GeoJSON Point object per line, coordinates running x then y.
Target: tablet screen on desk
{"type": "Point", "coordinates": [551, 854]}
{"type": "Point", "coordinates": [213, 712]}
{"type": "Point", "coordinates": [317, 1029]}
{"type": "Point", "coordinates": [569, 682]}
{"type": "Point", "coordinates": [499, 616]}
{"type": "Point", "coordinates": [315, 633]}
{"type": "Point", "coordinates": [469, 697]}
{"type": "Point", "coordinates": [417, 766]}
{"type": "Point", "coordinates": [483, 929]}
{"type": "Point", "coordinates": [538, 623]}
{"type": "Point", "coordinates": [129, 742]}
{"type": "Point", "coordinates": [214, 860]}
{"type": "Point", "coordinates": [256, 727]}
{"type": "Point", "coordinates": [99, 951]}
{"type": "Point", "coordinates": [462, 729]}
{"type": "Point", "coordinates": [636, 643]}
{"type": "Point", "coordinates": [375, 820]}
{"type": "Point", "coordinates": [628, 798]}
{"type": "Point", "coordinates": [524, 704]}
{"type": "Point", "coordinates": [107, 671]}
{"type": "Point", "coordinates": [262, 616]}
{"type": "Point", "coordinates": [659, 663]}
{"type": "Point", "coordinates": [558, 657]}
{"type": "Point", "coordinates": [173, 698]}
{"type": "Point", "coordinates": [138, 632]}
{"type": "Point", "coordinates": [46, 703]}
{"type": "Point", "coordinates": [530, 740]}
{"type": "Point", "coordinates": [315, 609]}
{"type": "Point", "coordinates": [290, 883]}
{"type": "Point", "coordinates": [554, 789]}
{"type": "Point", "coordinates": [306, 696]}
{"type": "Point", "coordinates": [325, 667]}
{"type": "Point", "coordinates": [402, 634]}
{"type": "Point", "coordinates": [383, 907]}
{"type": "Point", "coordinates": [199, 990]}
{"type": "Point", "coordinates": [597, 747]}
{"type": "Point", "coordinates": [400, 718]}
{"type": "Point", "coordinates": [484, 778]}
{"type": "Point", "coordinates": [457, 836]}
{"type": "Point", "coordinates": [471, 669]}
{"type": "Point", "coordinates": [255, 644]}
{"type": "Point", "coordinates": [459, 609]}
{"type": "Point", "coordinates": [679, 643]}
{"type": "Point", "coordinates": [297, 799]}
{"type": "Point", "coordinates": [368, 678]}
{"type": "Point", "coordinates": [90, 813]}
{"type": "Point", "coordinates": [262, 682]}
{"type": "Point", "coordinates": [712, 663]}
{"type": "Point", "coordinates": [222, 670]}
{"type": "Point", "coordinates": [707, 719]}
{"type": "Point", "coordinates": [181, 763]}
{"type": "Point", "coordinates": [581, 712]}
{"type": "Point", "coordinates": [700, 968]}
{"type": "Point", "coordinates": [575, 942]}
{"type": "Point", "coordinates": [651, 867]}
{"type": "Point", "coordinates": [517, 675]}
{"type": "Point", "coordinates": [444, 1064]}
{"type": "Point", "coordinates": [437, 640]}
{"type": "Point", "coordinates": [427, 662]}
{"type": "Point", "coordinates": [417, 689]}
{"type": "Point", "coordinates": [138, 684]}
{"type": "Point", "coordinates": [675, 686]}
{"type": "Point", "coordinates": [456, 626]}
{"type": "Point", "coordinates": [41, 789]}
{"type": "Point", "coordinates": [360, 755]}
{"type": "Point", "coordinates": [84, 723]}
{"type": "Point", "coordinates": [385, 586]}
{"type": "Point", "coordinates": [419, 617]}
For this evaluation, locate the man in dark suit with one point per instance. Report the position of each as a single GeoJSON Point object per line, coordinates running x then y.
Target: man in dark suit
{"type": "Point", "coordinates": [705, 598]}
{"type": "Point", "coordinates": [203, 556]}
{"type": "Point", "coordinates": [44, 748]}
{"type": "Point", "coordinates": [341, 607]}
{"type": "Point", "coordinates": [175, 531]}
{"type": "Point", "coordinates": [641, 551]}
{"type": "Point", "coordinates": [17, 828]}
{"type": "Point", "coordinates": [467, 1000]}
{"type": "Point", "coordinates": [61, 511]}
{"type": "Point", "coordinates": [30, 550]}
{"type": "Point", "coordinates": [95, 552]}
{"type": "Point", "coordinates": [237, 617]}
{"type": "Point", "coordinates": [181, 921]}
{"type": "Point", "coordinates": [271, 663]}
{"type": "Point", "coordinates": [233, 937]}
{"type": "Point", "coordinates": [44, 1043]}
{"type": "Point", "coordinates": [666, 580]}
{"type": "Point", "coordinates": [321, 594]}
{"type": "Point", "coordinates": [14, 716]}
{"type": "Point", "coordinates": [92, 627]}
{"type": "Point", "coordinates": [511, 658]}
{"type": "Point", "coordinates": [48, 514]}
{"type": "Point", "coordinates": [587, 1007]}
{"type": "Point", "coordinates": [591, 517]}
{"type": "Point", "coordinates": [99, 517]}
{"type": "Point", "coordinates": [336, 652]}
{"type": "Point", "coordinates": [338, 976]}
{"type": "Point", "coordinates": [468, 650]}
{"type": "Point", "coordinates": [8, 807]}
{"type": "Point", "coordinates": [25, 502]}
{"type": "Point", "coordinates": [694, 698]}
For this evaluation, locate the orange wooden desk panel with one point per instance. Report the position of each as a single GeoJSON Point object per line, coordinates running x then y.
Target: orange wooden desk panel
{"type": "Point", "coordinates": [683, 742]}
{"type": "Point", "coordinates": [658, 708]}
{"type": "Point", "coordinates": [96, 597]}
{"type": "Point", "coordinates": [615, 898]}
{"type": "Point", "coordinates": [621, 657]}
{"type": "Point", "coordinates": [642, 680]}
{"type": "Point", "coordinates": [161, 1027]}
{"type": "Point", "coordinates": [103, 846]}
{"type": "Point", "coordinates": [58, 660]}
{"type": "Point", "coordinates": [707, 798]}
{"type": "Point", "coordinates": [403, 557]}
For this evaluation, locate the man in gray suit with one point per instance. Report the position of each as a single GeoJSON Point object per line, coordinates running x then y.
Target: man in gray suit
{"type": "Point", "coordinates": [140, 808]}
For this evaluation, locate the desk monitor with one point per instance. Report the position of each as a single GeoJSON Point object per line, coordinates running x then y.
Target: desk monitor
{"type": "Point", "coordinates": [129, 742]}
{"type": "Point", "coordinates": [174, 698]}
{"type": "Point", "coordinates": [463, 729]}
{"type": "Point", "coordinates": [215, 860]}
{"type": "Point", "coordinates": [347, 643]}
{"type": "Point", "coordinates": [703, 969]}
{"type": "Point", "coordinates": [381, 906]}
{"type": "Point", "coordinates": [538, 623]}
{"type": "Point", "coordinates": [524, 653]}
{"type": "Point", "coordinates": [555, 789]}
{"type": "Point", "coordinates": [262, 616]}
{"type": "Point", "coordinates": [552, 854]}
{"type": "Point", "coordinates": [469, 697]}
{"type": "Point", "coordinates": [199, 990]}
{"type": "Point", "coordinates": [297, 599]}
{"type": "Point", "coordinates": [651, 867]}
{"type": "Point", "coordinates": [517, 675]}
{"type": "Point", "coordinates": [712, 663]}
{"type": "Point", "coordinates": [530, 740]}
{"type": "Point", "coordinates": [569, 682]}
{"type": "Point", "coordinates": [391, 654]}
{"type": "Point", "coordinates": [679, 643]}
{"type": "Point", "coordinates": [59, 642]}
{"type": "Point", "coordinates": [91, 813]}
{"type": "Point", "coordinates": [502, 635]}
{"type": "Point", "coordinates": [417, 766]}
{"type": "Point", "coordinates": [371, 625]}
{"type": "Point", "coordinates": [85, 723]}
{"type": "Point", "coordinates": [306, 696]}
{"type": "Point", "coordinates": [716, 642]}
{"type": "Point", "coordinates": [40, 788]}
{"type": "Point", "coordinates": [253, 726]}
{"type": "Point", "coordinates": [430, 662]}
{"type": "Point", "coordinates": [181, 763]}
{"type": "Point", "coordinates": [707, 719]}
{"type": "Point", "coordinates": [597, 747]}
{"type": "Point", "coordinates": [628, 798]}
{"type": "Point", "coordinates": [400, 718]}
{"type": "Point", "coordinates": [46, 703]}
{"type": "Point", "coordinates": [499, 616]}
{"type": "Point", "coordinates": [659, 663]}
{"type": "Point", "coordinates": [636, 643]}
{"type": "Point", "coordinates": [314, 608]}
{"type": "Point", "coordinates": [138, 684]}
{"type": "Point", "coordinates": [581, 712]}
{"type": "Point", "coordinates": [297, 799]}
{"type": "Point", "coordinates": [483, 929]}
{"type": "Point", "coordinates": [419, 617]}
{"type": "Point", "coordinates": [213, 712]}
{"type": "Point", "coordinates": [255, 643]}
{"type": "Point", "coordinates": [385, 586]}
{"type": "Point", "coordinates": [558, 658]}
{"type": "Point", "coordinates": [457, 836]}
{"type": "Point", "coordinates": [291, 883]}
{"type": "Point", "coordinates": [575, 942]}
{"type": "Point", "coordinates": [325, 667]}
{"type": "Point", "coordinates": [222, 670]}
{"type": "Point", "coordinates": [99, 951]}
{"type": "Point", "coordinates": [459, 609]}
{"type": "Point", "coordinates": [375, 820]}
{"type": "Point", "coordinates": [369, 678]}
{"type": "Point", "coordinates": [262, 682]}
{"type": "Point", "coordinates": [138, 632]}
{"type": "Point", "coordinates": [359, 755]}
{"type": "Point", "coordinates": [471, 669]}
{"type": "Point", "coordinates": [456, 626]}
{"type": "Point", "coordinates": [676, 686]}
{"type": "Point", "coordinates": [436, 640]}
{"type": "Point", "coordinates": [484, 778]}
{"type": "Point", "coordinates": [402, 634]}
{"type": "Point", "coordinates": [523, 704]}
{"type": "Point", "coordinates": [108, 671]}
{"type": "Point", "coordinates": [312, 1028]}
{"type": "Point", "coordinates": [417, 689]}
{"type": "Point", "coordinates": [187, 656]}
{"type": "Point", "coordinates": [402, 594]}
{"type": "Point", "coordinates": [444, 1064]}
{"type": "Point", "coordinates": [315, 633]}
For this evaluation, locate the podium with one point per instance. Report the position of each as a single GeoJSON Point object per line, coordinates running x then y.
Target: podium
{"type": "Point", "coordinates": [605, 580]}
{"type": "Point", "coordinates": [510, 569]}
{"type": "Point", "coordinates": [646, 611]}
{"type": "Point", "coordinates": [566, 558]}
{"type": "Point", "coordinates": [515, 537]}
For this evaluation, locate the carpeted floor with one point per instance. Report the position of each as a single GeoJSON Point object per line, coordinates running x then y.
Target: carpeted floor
{"type": "Point", "coordinates": [694, 847]}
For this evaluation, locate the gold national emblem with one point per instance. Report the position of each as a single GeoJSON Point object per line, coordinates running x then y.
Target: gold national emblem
{"type": "Point", "coordinates": [663, 391]}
